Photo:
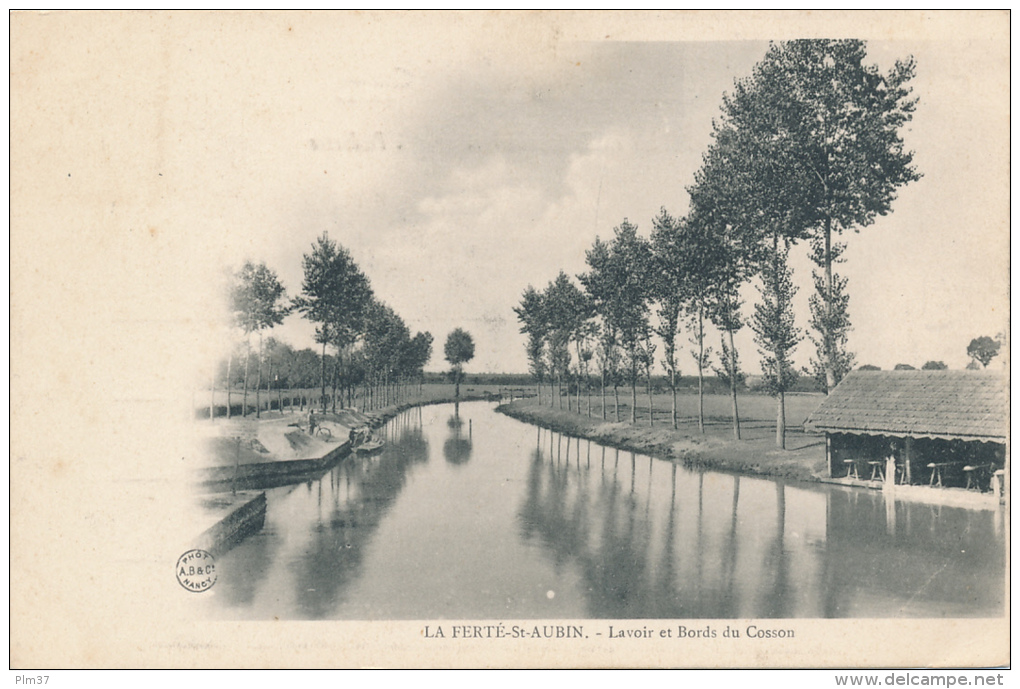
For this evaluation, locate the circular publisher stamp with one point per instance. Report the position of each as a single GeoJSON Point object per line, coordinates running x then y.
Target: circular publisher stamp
{"type": "Point", "coordinates": [196, 570]}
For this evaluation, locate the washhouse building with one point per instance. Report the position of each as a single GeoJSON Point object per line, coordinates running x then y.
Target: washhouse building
{"type": "Point", "coordinates": [939, 428]}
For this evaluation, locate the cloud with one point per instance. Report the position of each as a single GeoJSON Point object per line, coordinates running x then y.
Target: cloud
{"type": "Point", "coordinates": [456, 184]}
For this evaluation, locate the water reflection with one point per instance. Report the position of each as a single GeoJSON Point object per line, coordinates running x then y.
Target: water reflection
{"type": "Point", "coordinates": [722, 556]}
{"type": "Point", "coordinates": [260, 554]}
{"type": "Point", "coordinates": [346, 524]}
{"type": "Point", "coordinates": [520, 522]}
{"type": "Point", "coordinates": [912, 557]}
{"type": "Point", "coordinates": [319, 540]}
{"type": "Point", "coordinates": [457, 448]}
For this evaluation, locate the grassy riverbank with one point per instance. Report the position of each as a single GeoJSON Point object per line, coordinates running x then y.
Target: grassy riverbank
{"type": "Point", "coordinates": [755, 453]}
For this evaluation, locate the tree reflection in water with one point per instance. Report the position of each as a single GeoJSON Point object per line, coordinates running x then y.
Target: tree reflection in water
{"type": "Point", "coordinates": [334, 558]}
{"type": "Point", "coordinates": [700, 550]}
{"type": "Point", "coordinates": [349, 503]}
{"type": "Point", "coordinates": [594, 524]}
{"type": "Point", "coordinates": [457, 448]}
{"type": "Point", "coordinates": [505, 523]}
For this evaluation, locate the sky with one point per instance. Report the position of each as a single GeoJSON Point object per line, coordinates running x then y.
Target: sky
{"type": "Point", "coordinates": [459, 158]}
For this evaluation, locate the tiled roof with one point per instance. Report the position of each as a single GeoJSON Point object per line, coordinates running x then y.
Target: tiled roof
{"type": "Point", "coordinates": [971, 405]}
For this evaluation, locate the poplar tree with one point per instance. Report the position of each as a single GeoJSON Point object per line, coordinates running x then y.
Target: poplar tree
{"type": "Point", "coordinates": [725, 315]}
{"type": "Point", "coordinates": [776, 334]}
{"type": "Point", "coordinates": [567, 311]}
{"type": "Point", "coordinates": [828, 124]}
{"type": "Point", "coordinates": [626, 305]}
{"type": "Point", "coordinates": [530, 312]}
{"type": "Point", "coordinates": [673, 275]}
{"type": "Point", "coordinates": [600, 286]}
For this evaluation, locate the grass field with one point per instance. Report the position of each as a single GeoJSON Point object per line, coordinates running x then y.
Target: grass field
{"type": "Point", "coordinates": [755, 453]}
{"type": "Point", "coordinates": [757, 412]}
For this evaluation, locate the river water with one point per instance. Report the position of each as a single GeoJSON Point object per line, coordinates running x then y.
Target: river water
{"type": "Point", "coordinates": [468, 514]}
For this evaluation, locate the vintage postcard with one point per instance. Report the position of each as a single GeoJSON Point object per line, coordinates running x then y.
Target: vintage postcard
{"type": "Point", "coordinates": [510, 339]}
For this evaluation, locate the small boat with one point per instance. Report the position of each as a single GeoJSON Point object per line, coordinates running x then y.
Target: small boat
{"type": "Point", "coordinates": [371, 445]}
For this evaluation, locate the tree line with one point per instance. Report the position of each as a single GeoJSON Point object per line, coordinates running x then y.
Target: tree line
{"type": "Point", "coordinates": [981, 351]}
{"type": "Point", "coordinates": [806, 150]}
{"type": "Point", "coordinates": [367, 350]}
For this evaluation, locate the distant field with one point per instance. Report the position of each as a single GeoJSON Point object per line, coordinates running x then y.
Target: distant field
{"type": "Point", "coordinates": [756, 411]}
{"type": "Point", "coordinates": [687, 384]}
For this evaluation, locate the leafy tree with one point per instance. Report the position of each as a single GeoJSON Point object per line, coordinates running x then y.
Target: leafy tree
{"type": "Point", "coordinates": [558, 362]}
{"type": "Point", "coordinates": [229, 380]}
{"type": "Point", "coordinates": [234, 365]}
{"type": "Point", "coordinates": [646, 356]}
{"type": "Point", "coordinates": [934, 366]}
{"type": "Point", "coordinates": [600, 286]}
{"type": "Point", "coordinates": [279, 356]}
{"type": "Point", "coordinates": [459, 349]}
{"type": "Point", "coordinates": [702, 355]}
{"type": "Point", "coordinates": [531, 315]}
{"type": "Point", "coordinates": [617, 286]}
{"type": "Point", "coordinates": [585, 353]}
{"type": "Point", "coordinates": [732, 219]}
{"type": "Point", "coordinates": [983, 349]}
{"type": "Point", "coordinates": [904, 367]}
{"type": "Point", "coordinates": [726, 317]}
{"type": "Point", "coordinates": [305, 371]}
{"type": "Point", "coordinates": [869, 367]}
{"type": "Point", "coordinates": [830, 322]}
{"type": "Point", "coordinates": [556, 308]}
{"type": "Point", "coordinates": [258, 303]}
{"type": "Point", "coordinates": [335, 294]}
{"type": "Point", "coordinates": [675, 265]}
{"type": "Point", "coordinates": [419, 353]}
{"type": "Point", "coordinates": [736, 199]}
{"type": "Point", "coordinates": [607, 356]}
{"type": "Point", "coordinates": [830, 126]}
{"type": "Point", "coordinates": [714, 265]}
{"type": "Point", "coordinates": [777, 335]}
{"type": "Point", "coordinates": [358, 376]}
{"type": "Point", "coordinates": [400, 340]}
{"type": "Point", "coordinates": [385, 338]}
{"type": "Point", "coordinates": [729, 251]}
{"type": "Point", "coordinates": [566, 312]}
{"type": "Point", "coordinates": [583, 329]}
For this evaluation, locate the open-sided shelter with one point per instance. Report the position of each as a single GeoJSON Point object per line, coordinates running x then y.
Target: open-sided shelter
{"type": "Point", "coordinates": [943, 427]}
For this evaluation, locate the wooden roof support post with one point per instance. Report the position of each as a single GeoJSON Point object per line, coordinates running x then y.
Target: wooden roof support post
{"type": "Point", "coordinates": [908, 457]}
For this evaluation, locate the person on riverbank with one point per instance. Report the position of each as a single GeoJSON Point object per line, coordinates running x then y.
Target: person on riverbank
{"type": "Point", "coordinates": [890, 465]}
{"type": "Point", "coordinates": [311, 422]}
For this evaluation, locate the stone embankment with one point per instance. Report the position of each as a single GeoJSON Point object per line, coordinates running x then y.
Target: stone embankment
{"type": "Point", "coordinates": [238, 515]}
{"type": "Point", "coordinates": [244, 457]}
{"type": "Point", "coordinates": [281, 448]}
